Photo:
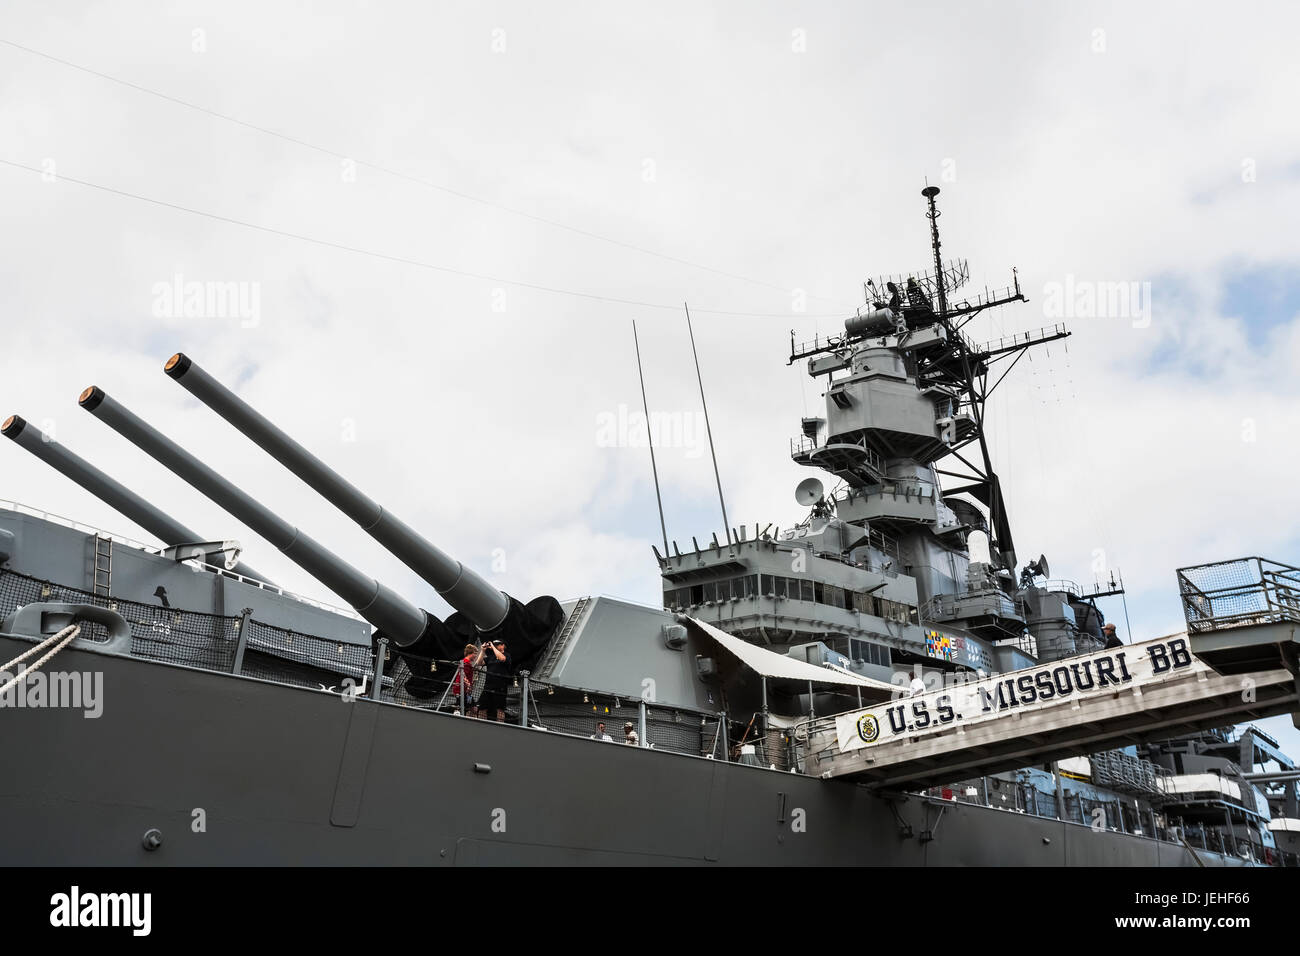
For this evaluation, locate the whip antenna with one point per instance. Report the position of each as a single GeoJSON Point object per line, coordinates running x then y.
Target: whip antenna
{"type": "Point", "coordinates": [726, 528]}
{"type": "Point", "coordinates": [649, 434]}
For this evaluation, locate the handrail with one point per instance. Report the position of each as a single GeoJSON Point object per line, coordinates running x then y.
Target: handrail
{"type": "Point", "coordinates": [274, 589]}
{"type": "Point", "coordinates": [950, 407]}
{"type": "Point", "coordinates": [19, 508]}
{"type": "Point", "coordinates": [1062, 584]}
{"type": "Point", "coordinates": [1238, 593]}
{"type": "Point", "coordinates": [801, 446]}
{"type": "Point", "coordinates": [805, 446]}
{"type": "Point", "coordinates": [1022, 338]}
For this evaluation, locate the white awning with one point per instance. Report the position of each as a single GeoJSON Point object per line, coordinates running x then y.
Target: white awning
{"type": "Point", "coordinates": [771, 664]}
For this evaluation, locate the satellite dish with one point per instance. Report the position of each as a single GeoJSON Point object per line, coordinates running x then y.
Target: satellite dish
{"type": "Point", "coordinates": [809, 492]}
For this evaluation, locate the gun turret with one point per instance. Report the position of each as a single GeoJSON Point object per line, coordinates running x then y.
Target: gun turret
{"type": "Point", "coordinates": [481, 608]}
{"type": "Point", "coordinates": [394, 616]}
{"type": "Point", "coordinates": [112, 492]}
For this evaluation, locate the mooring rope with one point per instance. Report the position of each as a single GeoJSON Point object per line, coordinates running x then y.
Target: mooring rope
{"type": "Point", "coordinates": [67, 634]}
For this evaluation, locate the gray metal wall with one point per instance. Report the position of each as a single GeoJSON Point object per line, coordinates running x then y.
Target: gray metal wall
{"type": "Point", "coordinates": [43, 549]}
{"type": "Point", "coordinates": [295, 776]}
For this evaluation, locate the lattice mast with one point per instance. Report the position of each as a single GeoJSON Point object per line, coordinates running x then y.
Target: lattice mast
{"type": "Point", "coordinates": [913, 315]}
{"type": "Point", "coordinates": [975, 362]}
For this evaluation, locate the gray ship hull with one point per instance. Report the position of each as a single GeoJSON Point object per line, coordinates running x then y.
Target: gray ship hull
{"type": "Point", "coordinates": [233, 770]}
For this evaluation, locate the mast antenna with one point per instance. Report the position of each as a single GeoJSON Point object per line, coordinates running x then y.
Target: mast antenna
{"type": "Point", "coordinates": [929, 192]}
{"type": "Point", "coordinates": [649, 434]}
{"type": "Point", "coordinates": [726, 528]}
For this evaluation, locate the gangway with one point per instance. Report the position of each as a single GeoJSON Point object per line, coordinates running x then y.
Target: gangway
{"type": "Point", "coordinates": [1084, 704]}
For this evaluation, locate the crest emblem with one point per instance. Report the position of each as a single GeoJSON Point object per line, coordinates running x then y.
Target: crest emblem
{"type": "Point", "coordinates": [868, 728]}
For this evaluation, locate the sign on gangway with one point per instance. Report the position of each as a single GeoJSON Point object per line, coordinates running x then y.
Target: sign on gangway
{"type": "Point", "coordinates": [975, 702]}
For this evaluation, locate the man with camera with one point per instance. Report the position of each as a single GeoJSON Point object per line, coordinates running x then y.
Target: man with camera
{"type": "Point", "coordinates": [493, 698]}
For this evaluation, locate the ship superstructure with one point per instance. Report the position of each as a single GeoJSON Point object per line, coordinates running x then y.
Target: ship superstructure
{"type": "Point", "coordinates": [878, 578]}
{"type": "Point", "coordinates": [772, 687]}
{"type": "Point", "coordinates": [879, 572]}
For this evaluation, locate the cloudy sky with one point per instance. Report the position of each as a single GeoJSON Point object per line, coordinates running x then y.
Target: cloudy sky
{"type": "Point", "coordinates": [444, 218]}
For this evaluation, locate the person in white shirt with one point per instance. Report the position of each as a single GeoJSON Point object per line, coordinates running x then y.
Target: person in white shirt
{"type": "Point", "coordinates": [630, 735]}
{"type": "Point", "coordinates": [600, 733]}
{"type": "Point", "coordinates": [918, 685]}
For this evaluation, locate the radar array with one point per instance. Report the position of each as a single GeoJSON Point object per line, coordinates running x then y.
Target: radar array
{"type": "Point", "coordinates": [950, 364]}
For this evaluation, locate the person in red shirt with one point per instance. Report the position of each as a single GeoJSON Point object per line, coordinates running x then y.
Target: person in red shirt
{"type": "Point", "coordinates": [473, 657]}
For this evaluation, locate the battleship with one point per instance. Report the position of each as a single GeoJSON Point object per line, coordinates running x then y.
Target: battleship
{"type": "Point", "coordinates": [858, 689]}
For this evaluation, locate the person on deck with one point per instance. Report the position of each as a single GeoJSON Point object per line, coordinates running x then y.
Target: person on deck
{"type": "Point", "coordinates": [465, 679]}
{"type": "Point", "coordinates": [493, 698]}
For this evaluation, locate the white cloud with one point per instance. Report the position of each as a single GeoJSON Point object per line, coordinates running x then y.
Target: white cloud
{"type": "Point", "coordinates": [799, 169]}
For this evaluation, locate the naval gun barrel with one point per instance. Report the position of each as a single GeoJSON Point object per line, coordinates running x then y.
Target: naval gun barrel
{"type": "Point", "coordinates": [481, 603]}
{"type": "Point", "coordinates": [107, 489]}
{"type": "Point", "coordinates": [396, 617]}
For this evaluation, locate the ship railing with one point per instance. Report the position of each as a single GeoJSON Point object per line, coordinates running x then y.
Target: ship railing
{"type": "Point", "coordinates": [1021, 338]}
{"type": "Point", "coordinates": [988, 600]}
{"type": "Point", "coordinates": [807, 730]}
{"type": "Point", "coordinates": [906, 488]}
{"type": "Point", "coordinates": [1063, 584]}
{"type": "Point", "coordinates": [439, 685]}
{"type": "Point", "coordinates": [883, 543]}
{"type": "Point", "coordinates": [274, 589]}
{"type": "Point", "coordinates": [1238, 593]}
{"type": "Point", "coordinates": [20, 508]}
{"type": "Point", "coordinates": [933, 609]}
{"type": "Point", "coordinates": [818, 343]}
{"type": "Point", "coordinates": [863, 565]}
{"type": "Point", "coordinates": [802, 446]}
{"type": "Point", "coordinates": [240, 644]}
{"type": "Point", "coordinates": [950, 407]}
{"type": "Point", "coordinates": [574, 711]}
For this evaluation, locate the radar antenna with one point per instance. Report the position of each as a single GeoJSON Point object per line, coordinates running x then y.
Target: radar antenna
{"type": "Point", "coordinates": [951, 366]}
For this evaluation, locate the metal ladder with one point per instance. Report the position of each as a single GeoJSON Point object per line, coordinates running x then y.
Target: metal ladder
{"type": "Point", "coordinates": [103, 576]}
{"type": "Point", "coordinates": [562, 639]}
